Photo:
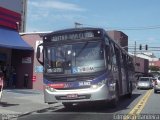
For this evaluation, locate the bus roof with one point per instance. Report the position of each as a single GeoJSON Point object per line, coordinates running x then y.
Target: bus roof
{"type": "Point", "coordinates": [82, 29]}
{"type": "Point", "coordinates": [73, 30]}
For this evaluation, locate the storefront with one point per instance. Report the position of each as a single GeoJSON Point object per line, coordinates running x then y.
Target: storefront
{"type": "Point", "coordinates": [16, 56]}
{"type": "Point", "coordinates": [34, 39]}
{"type": "Point", "coordinates": [16, 59]}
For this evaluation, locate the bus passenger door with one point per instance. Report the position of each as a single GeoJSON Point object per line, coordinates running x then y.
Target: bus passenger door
{"type": "Point", "coordinates": [118, 59]}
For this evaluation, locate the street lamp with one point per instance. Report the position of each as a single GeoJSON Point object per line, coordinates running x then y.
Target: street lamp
{"type": "Point", "coordinates": [135, 44]}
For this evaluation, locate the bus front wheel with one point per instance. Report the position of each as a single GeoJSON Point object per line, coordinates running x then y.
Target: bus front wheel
{"type": "Point", "coordinates": [129, 95]}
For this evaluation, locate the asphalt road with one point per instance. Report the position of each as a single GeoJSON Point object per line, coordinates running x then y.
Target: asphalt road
{"type": "Point", "coordinates": [146, 101]}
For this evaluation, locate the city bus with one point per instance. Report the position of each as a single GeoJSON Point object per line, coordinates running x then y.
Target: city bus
{"type": "Point", "coordinates": [84, 65]}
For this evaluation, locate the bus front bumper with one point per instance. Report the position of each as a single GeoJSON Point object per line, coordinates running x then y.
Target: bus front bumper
{"type": "Point", "coordinates": [79, 95]}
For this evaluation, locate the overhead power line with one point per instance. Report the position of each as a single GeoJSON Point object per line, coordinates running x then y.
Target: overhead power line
{"type": "Point", "coordinates": [137, 28]}
{"type": "Point", "coordinates": [129, 28]}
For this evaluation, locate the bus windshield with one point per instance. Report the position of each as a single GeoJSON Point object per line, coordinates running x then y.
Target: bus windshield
{"type": "Point", "coordinates": [86, 57]}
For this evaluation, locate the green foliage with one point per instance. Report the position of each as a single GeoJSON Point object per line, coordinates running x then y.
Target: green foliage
{"type": "Point", "coordinates": [154, 68]}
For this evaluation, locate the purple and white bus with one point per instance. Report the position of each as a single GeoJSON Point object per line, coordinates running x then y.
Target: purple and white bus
{"type": "Point", "coordinates": [84, 65]}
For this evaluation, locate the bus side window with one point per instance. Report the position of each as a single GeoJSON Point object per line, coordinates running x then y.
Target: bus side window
{"type": "Point", "coordinates": [107, 52]}
{"type": "Point", "coordinates": [113, 55]}
{"type": "Point", "coordinates": [121, 56]}
{"type": "Point", "coordinates": [130, 64]}
{"type": "Point", "coordinates": [117, 53]}
{"type": "Point", "coordinates": [124, 60]}
{"type": "Point", "coordinates": [107, 41]}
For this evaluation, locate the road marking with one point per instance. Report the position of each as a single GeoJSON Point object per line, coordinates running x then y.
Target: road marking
{"type": "Point", "coordinates": [139, 107]}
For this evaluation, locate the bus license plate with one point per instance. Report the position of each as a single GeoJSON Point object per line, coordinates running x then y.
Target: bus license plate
{"type": "Point", "coordinates": [72, 96]}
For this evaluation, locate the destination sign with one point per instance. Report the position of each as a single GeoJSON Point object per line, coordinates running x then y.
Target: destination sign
{"type": "Point", "coordinates": [75, 36]}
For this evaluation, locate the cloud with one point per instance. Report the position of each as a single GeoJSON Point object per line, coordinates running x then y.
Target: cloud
{"type": "Point", "coordinates": [45, 24]}
{"type": "Point", "coordinates": [37, 15]}
{"type": "Point", "coordinates": [56, 5]}
{"type": "Point", "coordinates": [32, 29]}
{"type": "Point", "coordinates": [45, 15]}
{"type": "Point", "coordinates": [68, 17]}
{"type": "Point", "coordinates": [151, 39]}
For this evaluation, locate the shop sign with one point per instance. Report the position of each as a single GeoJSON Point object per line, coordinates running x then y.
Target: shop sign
{"type": "Point", "coordinates": [39, 69]}
{"type": "Point", "coordinates": [26, 60]}
{"type": "Point", "coordinates": [33, 78]}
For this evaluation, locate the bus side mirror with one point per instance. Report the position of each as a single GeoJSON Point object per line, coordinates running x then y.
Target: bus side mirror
{"type": "Point", "coordinates": [38, 52]}
{"type": "Point", "coordinates": [38, 55]}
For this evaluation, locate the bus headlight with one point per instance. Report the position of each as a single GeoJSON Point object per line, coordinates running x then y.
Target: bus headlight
{"type": "Point", "coordinates": [94, 86]}
{"type": "Point", "coordinates": [103, 82]}
{"type": "Point", "coordinates": [50, 89]}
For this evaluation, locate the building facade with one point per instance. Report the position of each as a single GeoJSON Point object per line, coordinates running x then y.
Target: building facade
{"type": "Point", "coordinates": [120, 37]}
{"type": "Point", "coordinates": [17, 6]}
{"type": "Point", "coordinates": [141, 65]}
{"type": "Point", "coordinates": [16, 56]}
{"type": "Point", "coordinates": [34, 39]}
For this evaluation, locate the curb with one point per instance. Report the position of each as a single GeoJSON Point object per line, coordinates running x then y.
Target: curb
{"type": "Point", "coordinates": [39, 110]}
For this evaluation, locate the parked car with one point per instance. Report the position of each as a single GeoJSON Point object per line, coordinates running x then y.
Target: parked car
{"type": "Point", "coordinates": [144, 83]}
{"type": "Point", "coordinates": [157, 85]}
{"type": "Point", "coordinates": [153, 80]}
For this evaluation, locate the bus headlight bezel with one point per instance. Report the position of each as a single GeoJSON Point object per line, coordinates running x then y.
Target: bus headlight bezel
{"type": "Point", "coordinates": [95, 86]}
{"type": "Point", "coordinates": [51, 89]}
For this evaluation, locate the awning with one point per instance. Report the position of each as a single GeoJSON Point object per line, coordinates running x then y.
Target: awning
{"type": "Point", "coordinates": [11, 39]}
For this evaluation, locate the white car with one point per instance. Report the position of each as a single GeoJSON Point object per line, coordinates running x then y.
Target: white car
{"type": "Point", "coordinates": [157, 85]}
{"type": "Point", "coordinates": [145, 83]}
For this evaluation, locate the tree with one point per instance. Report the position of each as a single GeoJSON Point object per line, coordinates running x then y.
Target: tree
{"type": "Point", "coordinates": [154, 68]}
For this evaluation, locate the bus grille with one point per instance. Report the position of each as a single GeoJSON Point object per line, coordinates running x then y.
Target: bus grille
{"type": "Point", "coordinates": [74, 88]}
{"type": "Point", "coordinates": [79, 97]}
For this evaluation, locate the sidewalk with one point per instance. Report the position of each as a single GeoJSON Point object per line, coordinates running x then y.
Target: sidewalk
{"type": "Point", "coordinates": [22, 101]}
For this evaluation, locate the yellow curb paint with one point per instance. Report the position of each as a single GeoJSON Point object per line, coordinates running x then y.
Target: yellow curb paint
{"type": "Point", "coordinates": [139, 107]}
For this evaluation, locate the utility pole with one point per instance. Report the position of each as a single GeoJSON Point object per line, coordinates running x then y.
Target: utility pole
{"type": "Point", "coordinates": [135, 52]}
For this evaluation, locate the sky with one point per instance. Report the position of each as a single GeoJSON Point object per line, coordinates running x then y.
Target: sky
{"type": "Point", "coordinates": [138, 19]}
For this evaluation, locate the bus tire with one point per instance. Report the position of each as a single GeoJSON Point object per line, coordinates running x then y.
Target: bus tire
{"type": "Point", "coordinates": [129, 95]}
{"type": "Point", "coordinates": [68, 105]}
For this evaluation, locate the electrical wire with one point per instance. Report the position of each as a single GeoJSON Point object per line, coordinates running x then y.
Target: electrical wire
{"type": "Point", "coordinates": [128, 28]}
{"type": "Point", "coordinates": [137, 28]}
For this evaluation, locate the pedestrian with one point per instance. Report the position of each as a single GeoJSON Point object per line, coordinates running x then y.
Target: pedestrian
{"type": "Point", "coordinates": [14, 78]}
{"type": "Point", "coordinates": [26, 77]}
{"type": "Point", "coordinates": [7, 80]}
